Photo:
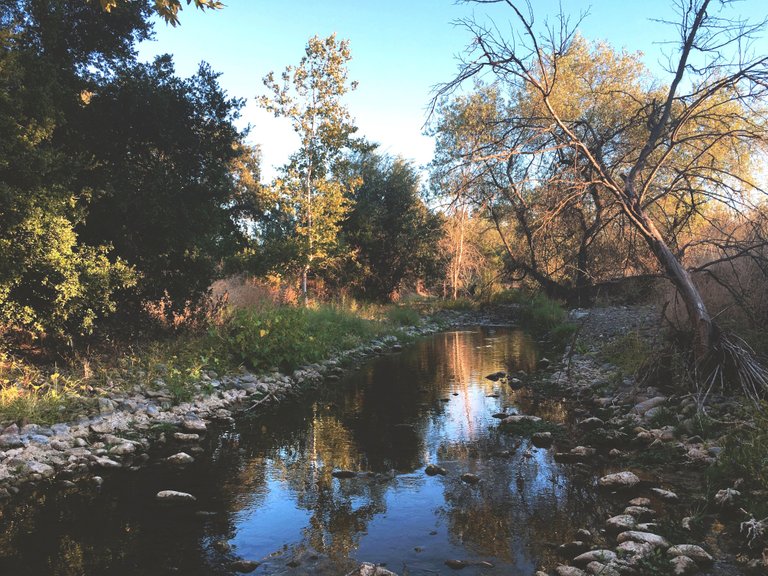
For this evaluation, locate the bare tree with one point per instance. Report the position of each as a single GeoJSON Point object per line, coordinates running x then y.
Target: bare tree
{"type": "Point", "coordinates": [670, 153]}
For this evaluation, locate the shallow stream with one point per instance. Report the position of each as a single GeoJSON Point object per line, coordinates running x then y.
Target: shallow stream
{"type": "Point", "coordinates": [265, 490]}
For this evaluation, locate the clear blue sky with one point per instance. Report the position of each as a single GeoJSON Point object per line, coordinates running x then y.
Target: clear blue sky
{"type": "Point", "coordinates": [400, 49]}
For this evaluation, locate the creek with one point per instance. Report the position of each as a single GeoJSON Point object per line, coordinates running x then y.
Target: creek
{"type": "Point", "coordinates": [265, 490]}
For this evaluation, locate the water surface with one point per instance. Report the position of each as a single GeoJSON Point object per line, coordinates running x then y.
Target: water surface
{"type": "Point", "coordinates": [265, 490]}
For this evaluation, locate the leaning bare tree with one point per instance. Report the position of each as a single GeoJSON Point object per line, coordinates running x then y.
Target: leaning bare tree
{"type": "Point", "coordinates": [673, 153]}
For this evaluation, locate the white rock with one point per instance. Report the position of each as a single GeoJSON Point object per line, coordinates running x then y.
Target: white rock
{"type": "Point", "coordinates": [682, 565]}
{"type": "Point", "coordinates": [599, 569]}
{"type": "Point", "coordinates": [569, 571]}
{"type": "Point", "coordinates": [518, 418]}
{"type": "Point", "coordinates": [105, 462]}
{"type": "Point", "coordinates": [123, 449]}
{"type": "Point", "coordinates": [620, 523]}
{"type": "Point", "coordinates": [667, 495]}
{"type": "Point", "coordinates": [44, 470]}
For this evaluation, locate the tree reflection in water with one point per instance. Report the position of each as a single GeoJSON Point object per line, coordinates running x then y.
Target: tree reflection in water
{"type": "Point", "coordinates": [269, 478]}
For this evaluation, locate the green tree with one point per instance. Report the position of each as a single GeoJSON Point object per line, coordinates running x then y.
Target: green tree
{"type": "Point", "coordinates": [168, 10]}
{"type": "Point", "coordinates": [393, 236]}
{"type": "Point", "coordinates": [166, 197]}
{"type": "Point", "coordinates": [311, 195]}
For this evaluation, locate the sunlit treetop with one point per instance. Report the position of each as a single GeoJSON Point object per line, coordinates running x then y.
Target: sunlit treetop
{"type": "Point", "coordinates": [169, 9]}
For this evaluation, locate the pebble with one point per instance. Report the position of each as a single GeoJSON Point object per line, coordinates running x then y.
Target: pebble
{"type": "Point", "coordinates": [434, 470]}
{"type": "Point", "coordinates": [175, 496]}
{"type": "Point", "coordinates": [470, 478]}
{"type": "Point", "coordinates": [624, 479]}
{"type": "Point", "coordinates": [180, 459]}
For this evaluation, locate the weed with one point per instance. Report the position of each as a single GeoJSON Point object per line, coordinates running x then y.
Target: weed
{"type": "Point", "coordinates": [403, 316]}
{"type": "Point", "coordinates": [628, 352]}
{"type": "Point", "coordinates": [663, 417]}
{"type": "Point", "coordinates": [655, 564]}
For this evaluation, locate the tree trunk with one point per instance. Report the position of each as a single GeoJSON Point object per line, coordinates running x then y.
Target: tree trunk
{"type": "Point", "coordinates": [703, 329]}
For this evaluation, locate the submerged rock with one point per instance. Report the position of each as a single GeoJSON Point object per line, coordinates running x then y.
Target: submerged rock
{"type": "Point", "coordinates": [244, 566]}
{"type": "Point", "coordinates": [496, 376]}
{"type": "Point", "coordinates": [343, 474]}
{"type": "Point", "coordinates": [470, 478]}
{"type": "Point", "coordinates": [368, 569]}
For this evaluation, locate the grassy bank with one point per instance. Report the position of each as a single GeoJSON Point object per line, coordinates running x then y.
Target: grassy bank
{"type": "Point", "coordinates": [259, 338]}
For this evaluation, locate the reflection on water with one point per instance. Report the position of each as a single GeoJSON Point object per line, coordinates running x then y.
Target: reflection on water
{"type": "Point", "coordinates": [266, 493]}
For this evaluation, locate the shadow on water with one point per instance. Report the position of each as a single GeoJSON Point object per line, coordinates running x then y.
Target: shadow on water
{"type": "Point", "coordinates": [265, 490]}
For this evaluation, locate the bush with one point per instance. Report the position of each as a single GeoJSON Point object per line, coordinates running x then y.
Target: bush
{"type": "Point", "coordinates": [402, 316]}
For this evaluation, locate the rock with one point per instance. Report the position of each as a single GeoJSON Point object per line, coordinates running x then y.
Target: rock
{"type": "Point", "coordinates": [644, 538]}
{"type": "Point", "coordinates": [563, 570]}
{"type": "Point", "coordinates": [175, 496]}
{"type": "Point", "coordinates": [221, 546]}
{"type": "Point", "coordinates": [123, 449]}
{"type": "Point", "coordinates": [193, 424]}
{"type": "Point", "coordinates": [434, 470]}
{"type": "Point", "coordinates": [542, 439]}
{"type": "Point", "coordinates": [457, 564]}
{"type": "Point", "coordinates": [619, 480]}
{"type": "Point", "coordinates": [496, 376]}
{"type": "Point", "coordinates": [500, 415]}
{"type": "Point", "coordinates": [368, 569]}
{"type": "Point", "coordinates": [584, 535]}
{"type": "Point", "coordinates": [470, 478]}
{"type": "Point", "coordinates": [544, 363]}
{"type": "Point", "coordinates": [107, 463]}
{"type": "Point", "coordinates": [583, 451]}
{"type": "Point", "coordinates": [103, 427]}
{"type": "Point", "coordinates": [10, 441]}
{"type": "Point", "coordinates": [639, 502]}
{"type": "Point", "coordinates": [641, 513]}
{"type": "Point", "coordinates": [180, 459]}
{"type": "Point", "coordinates": [643, 407]}
{"type": "Point", "coordinates": [591, 423]}
{"type": "Point", "coordinates": [682, 565]}
{"type": "Point", "coordinates": [343, 474]}
{"type": "Point", "coordinates": [520, 418]}
{"type": "Point", "coordinates": [244, 566]}
{"type": "Point", "coordinates": [605, 556]}
{"type": "Point", "coordinates": [186, 437]}
{"type": "Point", "coordinates": [620, 523]}
{"type": "Point", "coordinates": [633, 549]}
{"type": "Point", "coordinates": [697, 553]}
{"type": "Point", "coordinates": [515, 383]}
{"type": "Point", "coordinates": [600, 569]}
{"type": "Point", "coordinates": [44, 470]}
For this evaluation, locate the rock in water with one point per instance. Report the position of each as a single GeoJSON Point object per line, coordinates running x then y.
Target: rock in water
{"type": "Point", "coordinates": [368, 569]}
{"type": "Point", "coordinates": [175, 496]}
{"type": "Point", "coordinates": [343, 474]}
{"type": "Point", "coordinates": [496, 376]}
{"type": "Point", "coordinates": [470, 478]}
{"type": "Point", "coordinates": [434, 470]}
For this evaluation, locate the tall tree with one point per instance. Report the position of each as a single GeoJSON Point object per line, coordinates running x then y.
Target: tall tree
{"type": "Point", "coordinates": [394, 237]}
{"type": "Point", "coordinates": [680, 147]}
{"type": "Point", "coordinates": [310, 190]}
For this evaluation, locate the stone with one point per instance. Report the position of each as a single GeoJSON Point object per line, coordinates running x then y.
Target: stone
{"type": "Point", "coordinates": [682, 565]}
{"type": "Point", "coordinates": [123, 449]}
{"type": "Point", "coordinates": [620, 523]}
{"type": "Point", "coordinates": [44, 470]}
{"type": "Point", "coordinates": [496, 376]}
{"type": "Point", "coordinates": [727, 498]}
{"type": "Point", "coordinates": [175, 496]}
{"type": "Point", "coordinates": [542, 439]}
{"type": "Point", "coordinates": [470, 478]}
{"type": "Point", "coordinates": [619, 480]}
{"type": "Point", "coordinates": [343, 474]}
{"type": "Point", "coordinates": [697, 553]}
{"type": "Point", "coordinates": [591, 423]}
{"type": "Point", "coordinates": [643, 407]}
{"type": "Point", "coordinates": [639, 502]}
{"type": "Point", "coordinates": [641, 513]}
{"type": "Point", "coordinates": [563, 570]}
{"type": "Point", "coordinates": [368, 569]}
{"type": "Point", "coordinates": [605, 556]}
{"type": "Point", "coordinates": [573, 548]}
{"type": "Point", "coordinates": [456, 564]}
{"type": "Point", "coordinates": [244, 566]}
{"type": "Point", "coordinates": [108, 463]}
{"type": "Point", "coordinates": [186, 437]}
{"type": "Point", "coordinates": [599, 569]}
{"type": "Point", "coordinates": [520, 418]}
{"type": "Point", "coordinates": [434, 470]}
{"type": "Point", "coordinates": [193, 424]}
{"type": "Point", "coordinates": [583, 451]}
{"type": "Point", "coordinates": [644, 538]}
{"type": "Point", "coordinates": [10, 440]}
{"type": "Point", "coordinates": [180, 459]}
{"type": "Point", "coordinates": [584, 534]}
{"type": "Point", "coordinates": [634, 549]}
{"type": "Point", "coordinates": [544, 363]}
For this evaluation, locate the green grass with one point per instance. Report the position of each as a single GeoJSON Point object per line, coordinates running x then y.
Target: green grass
{"type": "Point", "coordinates": [628, 353]}
{"type": "Point", "coordinates": [403, 316]}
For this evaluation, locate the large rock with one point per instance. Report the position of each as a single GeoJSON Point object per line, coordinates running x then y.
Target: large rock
{"type": "Point", "coordinates": [520, 418]}
{"type": "Point", "coordinates": [44, 470]}
{"type": "Point", "coordinates": [619, 480]}
{"type": "Point", "coordinates": [180, 459]}
{"type": "Point", "coordinates": [599, 569]}
{"type": "Point", "coordinates": [569, 571]}
{"type": "Point", "coordinates": [682, 566]}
